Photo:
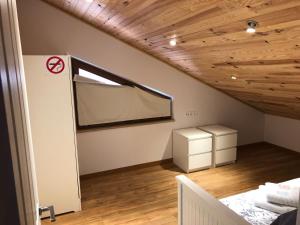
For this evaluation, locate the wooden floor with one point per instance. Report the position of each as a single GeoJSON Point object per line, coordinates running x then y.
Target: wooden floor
{"type": "Point", "coordinates": [148, 195]}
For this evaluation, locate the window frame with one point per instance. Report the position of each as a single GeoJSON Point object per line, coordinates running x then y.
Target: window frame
{"type": "Point", "coordinates": [77, 64]}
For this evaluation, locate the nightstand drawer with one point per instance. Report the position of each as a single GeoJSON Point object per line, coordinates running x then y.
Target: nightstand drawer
{"type": "Point", "coordinates": [200, 161]}
{"type": "Point", "coordinates": [225, 141]}
{"type": "Point", "coordinates": [200, 146]}
{"type": "Point", "coordinates": [225, 156]}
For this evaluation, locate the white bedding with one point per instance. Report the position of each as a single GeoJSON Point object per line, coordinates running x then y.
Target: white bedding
{"type": "Point", "coordinates": [244, 205]}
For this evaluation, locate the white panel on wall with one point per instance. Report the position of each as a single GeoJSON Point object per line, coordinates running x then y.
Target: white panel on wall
{"type": "Point", "coordinates": [282, 131]}
{"type": "Point", "coordinates": [113, 148]}
{"type": "Point", "coordinates": [53, 132]}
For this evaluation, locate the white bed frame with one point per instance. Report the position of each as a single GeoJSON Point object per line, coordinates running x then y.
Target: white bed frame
{"type": "Point", "coordinates": [197, 207]}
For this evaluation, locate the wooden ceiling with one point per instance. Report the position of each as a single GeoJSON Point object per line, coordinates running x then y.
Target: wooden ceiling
{"type": "Point", "coordinates": [212, 44]}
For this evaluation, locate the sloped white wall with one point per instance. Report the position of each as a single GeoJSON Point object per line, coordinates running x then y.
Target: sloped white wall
{"type": "Point", "coordinates": [283, 132]}
{"type": "Point", "coordinates": [47, 30]}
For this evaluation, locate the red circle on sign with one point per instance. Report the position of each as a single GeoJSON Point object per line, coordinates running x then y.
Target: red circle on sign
{"type": "Point", "coordinates": [55, 64]}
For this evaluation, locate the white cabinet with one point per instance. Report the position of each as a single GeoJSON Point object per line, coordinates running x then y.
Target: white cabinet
{"type": "Point", "coordinates": [224, 144]}
{"type": "Point", "coordinates": [192, 149]}
{"type": "Point", "coordinates": [53, 128]}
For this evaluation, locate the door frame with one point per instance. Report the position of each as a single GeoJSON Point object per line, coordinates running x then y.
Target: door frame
{"type": "Point", "coordinates": [16, 108]}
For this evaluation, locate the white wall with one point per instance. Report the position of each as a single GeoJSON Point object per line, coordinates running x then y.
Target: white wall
{"type": "Point", "coordinates": [282, 131]}
{"type": "Point", "coordinates": [46, 30]}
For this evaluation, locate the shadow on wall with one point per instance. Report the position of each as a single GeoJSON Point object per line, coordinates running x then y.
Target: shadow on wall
{"type": "Point", "coordinates": [169, 165]}
{"type": "Point", "coordinates": [168, 150]}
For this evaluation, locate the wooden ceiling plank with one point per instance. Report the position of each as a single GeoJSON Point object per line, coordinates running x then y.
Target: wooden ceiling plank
{"type": "Point", "coordinates": [207, 37]}
{"type": "Point", "coordinates": [228, 23]}
{"type": "Point", "coordinates": [212, 44]}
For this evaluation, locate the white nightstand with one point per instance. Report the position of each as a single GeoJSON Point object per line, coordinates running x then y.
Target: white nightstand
{"type": "Point", "coordinates": [224, 144]}
{"type": "Point", "coordinates": [192, 149]}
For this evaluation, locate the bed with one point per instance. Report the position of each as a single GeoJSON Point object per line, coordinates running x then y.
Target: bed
{"type": "Point", "coordinates": [197, 207]}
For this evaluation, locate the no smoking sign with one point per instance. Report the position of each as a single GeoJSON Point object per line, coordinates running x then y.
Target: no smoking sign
{"type": "Point", "coordinates": [55, 65]}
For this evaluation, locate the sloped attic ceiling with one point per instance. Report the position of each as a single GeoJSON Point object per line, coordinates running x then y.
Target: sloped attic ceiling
{"type": "Point", "coordinates": [212, 44]}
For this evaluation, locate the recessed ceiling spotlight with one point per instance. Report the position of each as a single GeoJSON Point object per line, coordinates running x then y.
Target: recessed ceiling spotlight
{"type": "Point", "coordinates": [233, 77]}
{"type": "Point", "coordinates": [251, 26]}
{"type": "Point", "coordinates": [89, 1]}
{"type": "Point", "coordinates": [173, 42]}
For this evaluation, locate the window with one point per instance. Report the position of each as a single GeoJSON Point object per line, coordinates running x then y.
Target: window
{"type": "Point", "coordinates": [104, 99]}
{"type": "Point", "coordinates": [91, 76]}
